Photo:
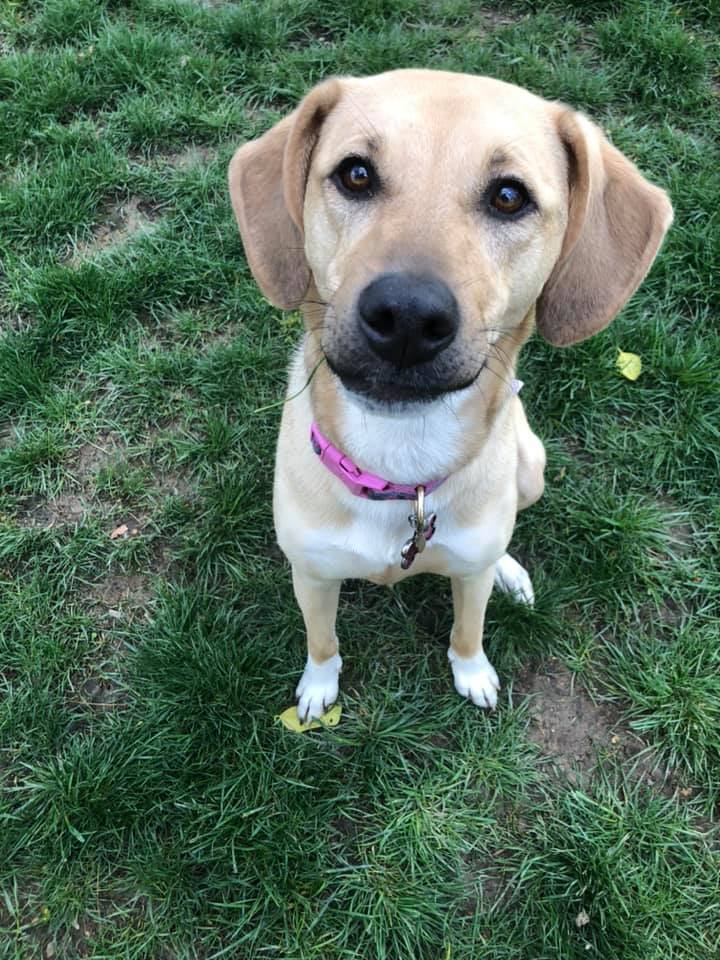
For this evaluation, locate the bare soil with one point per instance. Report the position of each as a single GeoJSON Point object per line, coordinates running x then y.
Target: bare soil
{"type": "Point", "coordinates": [121, 221]}
{"type": "Point", "coordinates": [577, 734]}
{"type": "Point", "coordinates": [566, 724]}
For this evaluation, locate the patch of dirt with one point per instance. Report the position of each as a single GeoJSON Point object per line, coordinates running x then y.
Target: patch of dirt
{"type": "Point", "coordinates": [682, 536]}
{"type": "Point", "coordinates": [496, 19]}
{"type": "Point", "coordinates": [174, 484]}
{"type": "Point", "coordinates": [73, 506]}
{"type": "Point", "coordinates": [96, 684]}
{"type": "Point", "coordinates": [577, 734]}
{"type": "Point", "coordinates": [670, 612]}
{"type": "Point", "coordinates": [116, 601]}
{"type": "Point", "coordinates": [122, 593]}
{"type": "Point", "coordinates": [574, 731]}
{"type": "Point", "coordinates": [97, 693]}
{"type": "Point", "coordinates": [60, 510]}
{"type": "Point", "coordinates": [566, 724]}
{"type": "Point", "coordinates": [191, 156]}
{"type": "Point", "coordinates": [79, 501]}
{"type": "Point", "coordinates": [121, 222]}
{"type": "Point", "coordinates": [494, 885]}
{"type": "Point", "coordinates": [70, 509]}
{"type": "Point", "coordinates": [91, 457]}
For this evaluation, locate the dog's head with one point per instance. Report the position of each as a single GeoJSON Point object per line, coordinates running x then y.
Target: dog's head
{"type": "Point", "coordinates": [420, 217]}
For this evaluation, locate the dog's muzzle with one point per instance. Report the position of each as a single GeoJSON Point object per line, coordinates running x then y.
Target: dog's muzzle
{"type": "Point", "coordinates": [401, 342]}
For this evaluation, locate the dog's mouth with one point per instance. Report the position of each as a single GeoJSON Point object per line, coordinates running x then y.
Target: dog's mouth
{"type": "Point", "coordinates": [399, 387]}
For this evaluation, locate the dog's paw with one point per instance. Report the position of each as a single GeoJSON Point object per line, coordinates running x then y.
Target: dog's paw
{"type": "Point", "coordinates": [511, 578]}
{"type": "Point", "coordinates": [318, 687]}
{"type": "Point", "coordinates": [475, 678]}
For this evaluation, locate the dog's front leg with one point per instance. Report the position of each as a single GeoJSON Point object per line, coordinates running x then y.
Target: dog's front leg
{"type": "Point", "coordinates": [318, 601]}
{"type": "Point", "coordinates": [473, 673]}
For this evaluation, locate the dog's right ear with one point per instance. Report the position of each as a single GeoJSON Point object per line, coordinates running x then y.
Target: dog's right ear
{"type": "Point", "coordinates": [267, 179]}
{"type": "Point", "coordinates": [616, 223]}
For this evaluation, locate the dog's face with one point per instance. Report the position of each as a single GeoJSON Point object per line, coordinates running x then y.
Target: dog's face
{"type": "Point", "coordinates": [433, 215]}
{"type": "Point", "coordinates": [425, 214]}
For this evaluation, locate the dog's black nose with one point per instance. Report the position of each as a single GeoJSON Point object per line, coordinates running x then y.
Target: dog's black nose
{"type": "Point", "coordinates": [407, 318]}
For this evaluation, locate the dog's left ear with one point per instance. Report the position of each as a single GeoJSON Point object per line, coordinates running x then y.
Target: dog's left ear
{"type": "Point", "coordinates": [267, 179]}
{"type": "Point", "coordinates": [616, 223]}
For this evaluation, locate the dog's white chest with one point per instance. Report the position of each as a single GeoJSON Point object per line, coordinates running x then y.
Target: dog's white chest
{"type": "Point", "coordinates": [370, 547]}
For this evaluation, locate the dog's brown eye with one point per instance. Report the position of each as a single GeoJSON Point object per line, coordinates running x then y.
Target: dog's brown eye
{"type": "Point", "coordinates": [356, 176]}
{"type": "Point", "coordinates": [508, 197]}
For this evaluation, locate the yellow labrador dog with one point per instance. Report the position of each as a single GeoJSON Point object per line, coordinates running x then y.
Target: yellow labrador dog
{"type": "Point", "coordinates": [424, 222]}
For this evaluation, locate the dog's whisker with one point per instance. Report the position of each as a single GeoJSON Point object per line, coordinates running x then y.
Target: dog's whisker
{"type": "Point", "coordinates": [503, 334]}
{"type": "Point", "coordinates": [284, 400]}
{"type": "Point", "coordinates": [445, 400]}
{"type": "Point", "coordinates": [495, 373]}
{"type": "Point", "coordinates": [502, 355]}
{"type": "Point", "coordinates": [372, 132]}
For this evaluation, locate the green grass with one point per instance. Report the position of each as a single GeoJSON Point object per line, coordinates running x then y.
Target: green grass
{"type": "Point", "coordinates": [150, 806]}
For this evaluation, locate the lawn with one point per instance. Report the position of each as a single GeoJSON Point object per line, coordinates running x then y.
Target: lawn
{"type": "Point", "coordinates": [151, 806]}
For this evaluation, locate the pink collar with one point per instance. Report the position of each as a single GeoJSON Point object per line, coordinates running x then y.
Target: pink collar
{"type": "Point", "coordinates": [366, 485]}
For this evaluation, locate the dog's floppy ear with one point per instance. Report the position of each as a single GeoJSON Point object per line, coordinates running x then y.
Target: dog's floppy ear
{"type": "Point", "coordinates": [267, 179]}
{"type": "Point", "coordinates": [616, 223]}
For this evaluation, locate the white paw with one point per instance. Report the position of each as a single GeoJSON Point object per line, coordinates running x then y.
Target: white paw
{"type": "Point", "coordinates": [318, 687]}
{"type": "Point", "coordinates": [511, 578]}
{"type": "Point", "coordinates": [475, 678]}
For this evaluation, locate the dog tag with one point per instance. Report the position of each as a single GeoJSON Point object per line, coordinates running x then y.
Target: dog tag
{"type": "Point", "coordinates": [416, 543]}
{"type": "Point", "coordinates": [422, 531]}
{"type": "Point", "coordinates": [408, 554]}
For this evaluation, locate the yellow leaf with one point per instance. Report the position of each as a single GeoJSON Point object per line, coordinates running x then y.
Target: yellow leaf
{"type": "Point", "coordinates": [629, 365]}
{"type": "Point", "coordinates": [289, 719]}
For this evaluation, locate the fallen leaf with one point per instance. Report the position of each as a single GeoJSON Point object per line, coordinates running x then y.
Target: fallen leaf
{"type": "Point", "coordinates": [289, 719]}
{"type": "Point", "coordinates": [629, 365]}
{"type": "Point", "coordinates": [120, 531]}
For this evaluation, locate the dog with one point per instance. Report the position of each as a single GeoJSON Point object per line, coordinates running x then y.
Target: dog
{"type": "Point", "coordinates": [425, 222]}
